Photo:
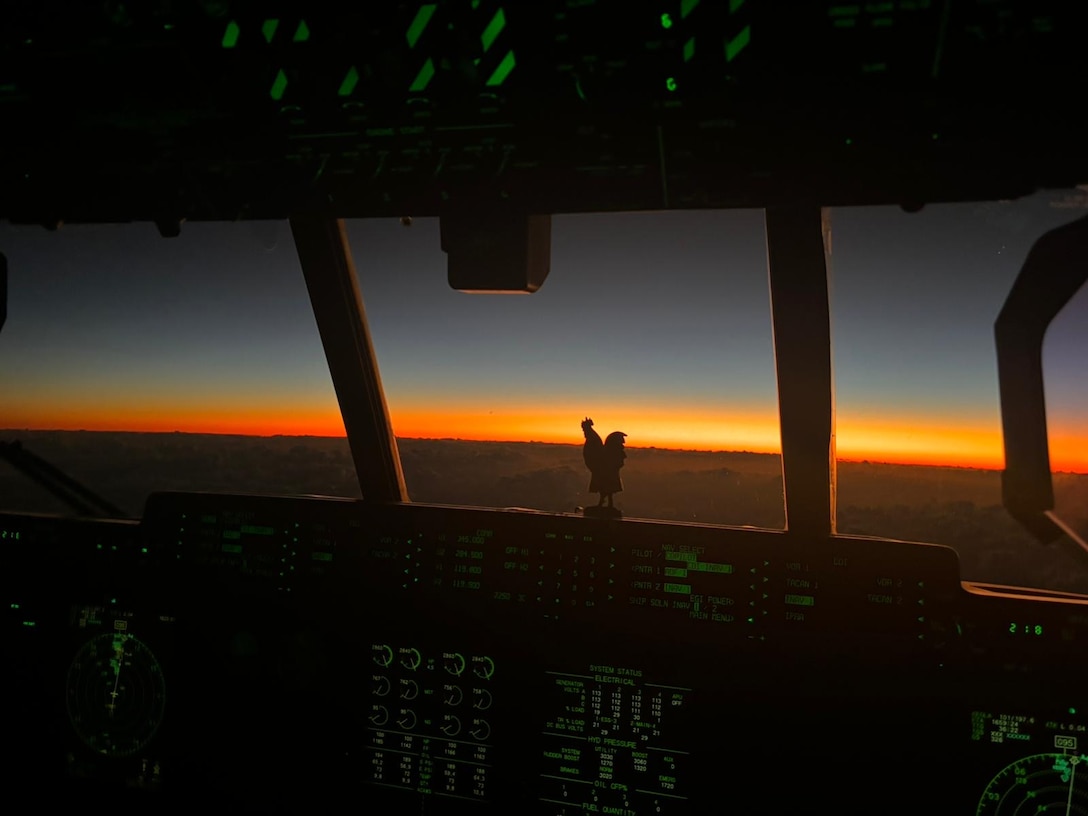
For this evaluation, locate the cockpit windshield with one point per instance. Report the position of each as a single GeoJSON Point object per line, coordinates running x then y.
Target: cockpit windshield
{"type": "Point", "coordinates": [914, 297]}
{"type": "Point", "coordinates": [656, 325]}
{"type": "Point", "coordinates": [137, 363]}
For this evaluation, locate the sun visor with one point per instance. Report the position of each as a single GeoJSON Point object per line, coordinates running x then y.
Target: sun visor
{"type": "Point", "coordinates": [494, 252]}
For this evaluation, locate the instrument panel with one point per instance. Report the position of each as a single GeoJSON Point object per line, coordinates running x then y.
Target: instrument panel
{"type": "Point", "coordinates": [275, 653]}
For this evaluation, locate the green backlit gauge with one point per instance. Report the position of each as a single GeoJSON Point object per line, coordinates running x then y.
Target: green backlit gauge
{"type": "Point", "coordinates": [382, 654]}
{"type": "Point", "coordinates": [116, 694]}
{"type": "Point", "coordinates": [453, 663]}
{"type": "Point", "coordinates": [410, 658]}
{"type": "Point", "coordinates": [483, 667]}
{"type": "Point", "coordinates": [1037, 784]}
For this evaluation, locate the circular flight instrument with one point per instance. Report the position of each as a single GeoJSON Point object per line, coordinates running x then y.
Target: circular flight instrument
{"type": "Point", "coordinates": [116, 694]}
{"type": "Point", "coordinates": [379, 715]}
{"type": "Point", "coordinates": [453, 663]}
{"type": "Point", "coordinates": [1041, 783]}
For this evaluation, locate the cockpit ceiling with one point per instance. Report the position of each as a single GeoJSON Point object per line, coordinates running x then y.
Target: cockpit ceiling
{"type": "Point", "coordinates": [233, 110]}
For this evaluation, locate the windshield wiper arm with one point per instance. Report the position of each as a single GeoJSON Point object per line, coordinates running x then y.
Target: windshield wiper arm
{"type": "Point", "coordinates": [80, 498]}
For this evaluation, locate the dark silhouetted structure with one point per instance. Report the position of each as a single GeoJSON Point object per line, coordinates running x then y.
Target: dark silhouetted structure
{"type": "Point", "coordinates": [604, 460]}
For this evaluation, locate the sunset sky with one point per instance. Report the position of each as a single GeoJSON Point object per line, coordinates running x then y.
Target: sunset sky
{"type": "Point", "coordinates": [654, 324]}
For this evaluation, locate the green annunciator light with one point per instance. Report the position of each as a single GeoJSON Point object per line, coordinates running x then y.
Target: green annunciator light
{"type": "Point", "coordinates": [268, 29]}
{"type": "Point", "coordinates": [279, 85]}
{"type": "Point", "coordinates": [498, 77]}
{"type": "Point", "coordinates": [734, 46]}
{"type": "Point", "coordinates": [351, 79]}
{"type": "Point", "coordinates": [423, 78]}
{"type": "Point", "coordinates": [666, 21]}
{"type": "Point", "coordinates": [415, 30]}
{"type": "Point", "coordinates": [230, 35]}
{"type": "Point", "coordinates": [670, 84]}
{"type": "Point", "coordinates": [494, 28]}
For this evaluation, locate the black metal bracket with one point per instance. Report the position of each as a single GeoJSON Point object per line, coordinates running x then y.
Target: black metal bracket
{"type": "Point", "coordinates": [1056, 267]}
{"type": "Point", "coordinates": [323, 250]}
{"type": "Point", "coordinates": [801, 320]}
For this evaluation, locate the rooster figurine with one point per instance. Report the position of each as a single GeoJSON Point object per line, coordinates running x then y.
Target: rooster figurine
{"type": "Point", "coordinates": [604, 460]}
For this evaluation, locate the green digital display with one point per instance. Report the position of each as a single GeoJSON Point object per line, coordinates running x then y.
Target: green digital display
{"type": "Point", "coordinates": [707, 566]}
{"type": "Point", "coordinates": [800, 600]}
{"type": "Point", "coordinates": [1032, 629]}
{"type": "Point", "coordinates": [607, 741]}
{"type": "Point", "coordinates": [696, 600]}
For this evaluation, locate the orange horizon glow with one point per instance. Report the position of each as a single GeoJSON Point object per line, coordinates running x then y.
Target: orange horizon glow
{"type": "Point", "coordinates": [269, 422]}
{"type": "Point", "coordinates": [911, 441]}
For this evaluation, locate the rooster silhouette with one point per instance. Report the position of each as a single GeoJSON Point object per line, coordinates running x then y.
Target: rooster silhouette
{"type": "Point", "coordinates": [604, 460]}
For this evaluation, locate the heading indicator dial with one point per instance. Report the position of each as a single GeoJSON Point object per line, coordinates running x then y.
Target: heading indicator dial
{"type": "Point", "coordinates": [116, 693]}
{"type": "Point", "coordinates": [1040, 783]}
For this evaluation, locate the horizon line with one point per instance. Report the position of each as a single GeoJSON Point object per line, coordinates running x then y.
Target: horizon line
{"type": "Point", "coordinates": [851, 460]}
